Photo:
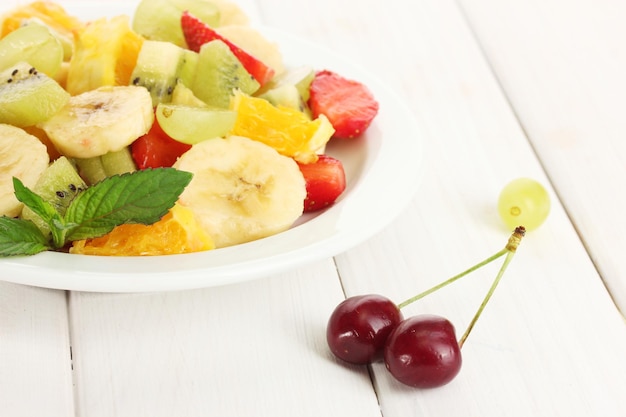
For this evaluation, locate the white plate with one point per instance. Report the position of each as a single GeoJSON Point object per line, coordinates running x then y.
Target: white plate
{"type": "Point", "coordinates": [383, 169]}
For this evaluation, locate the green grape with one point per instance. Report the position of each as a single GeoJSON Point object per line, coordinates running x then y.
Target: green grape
{"type": "Point", "coordinates": [524, 202]}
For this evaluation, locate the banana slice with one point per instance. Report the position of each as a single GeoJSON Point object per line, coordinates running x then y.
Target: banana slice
{"type": "Point", "coordinates": [242, 190]}
{"type": "Point", "coordinates": [100, 121]}
{"type": "Point", "coordinates": [23, 156]}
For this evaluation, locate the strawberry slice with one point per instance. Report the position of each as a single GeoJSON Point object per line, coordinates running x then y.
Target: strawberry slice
{"type": "Point", "coordinates": [197, 33]}
{"type": "Point", "coordinates": [156, 149]}
{"type": "Point", "coordinates": [348, 104]}
{"type": "Point", "coordinates": [325, 181]}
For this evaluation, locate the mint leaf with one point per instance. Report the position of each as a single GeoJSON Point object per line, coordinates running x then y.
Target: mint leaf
{"type": "Point", "coordinates": [34, 202]}
{"type": "Point", "coordinates": [139, 197]}
{"type": "Point", "coordinates": [20, 237]}
{"type": "Point", "coordinates": [43, 209]}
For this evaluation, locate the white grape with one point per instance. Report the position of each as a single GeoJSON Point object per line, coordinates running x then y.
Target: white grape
{"type": "Point", "coordinates": [524, 202]}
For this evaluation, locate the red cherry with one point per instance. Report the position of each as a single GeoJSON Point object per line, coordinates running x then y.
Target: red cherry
{"type": "Point", "coordinates": [422, 351]}
{"type": "Point", "coordinates": [359, 326]}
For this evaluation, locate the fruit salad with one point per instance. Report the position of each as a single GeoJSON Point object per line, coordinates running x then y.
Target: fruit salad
{"type": "Point", "coordinates": [176, 130]}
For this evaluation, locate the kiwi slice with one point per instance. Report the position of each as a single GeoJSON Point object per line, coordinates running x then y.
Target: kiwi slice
{"type": "Point", "coordinates": [118, 162]}
{"type": "Point", "coordinates": [91, 169]}
{"type": "Point", "coordinates": [286, 96]}
{"type": "Point", "coordinates": [218, 74]}
{"type": "Point", "coordinates": [290, 89]}
{"type": "Point", "coordinates": [184, 96]}
{"type": "Point", "coordinates": [100, 167]}
{"type": "Point", "coordinates": [28, 97]}
{"type": "Point", "coordinates": [58, 185]}
{"type": "Point", "coordinates": [300, 77]}
{"type": "Point", "coordinates": [160, 19]}
{"type": "Point", "coordinates": [157, 68]}
{"type": "Point", "coordinates": [188, 65]}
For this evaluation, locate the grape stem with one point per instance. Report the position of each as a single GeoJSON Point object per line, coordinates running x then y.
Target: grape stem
{"type": "Point", "coordinates": [510, 250]}
{"type": "Point", "coordinates": [452, 279]}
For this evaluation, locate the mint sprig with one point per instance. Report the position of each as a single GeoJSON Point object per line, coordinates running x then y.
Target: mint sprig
{"type": "Point", "coordinates": [21, 237]}
{"type": "Point", "coordinates": [143, 197]}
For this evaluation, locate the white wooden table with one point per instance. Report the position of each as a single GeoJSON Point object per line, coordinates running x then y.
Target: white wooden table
{"type": "Point", "coordinates": [500, 89]}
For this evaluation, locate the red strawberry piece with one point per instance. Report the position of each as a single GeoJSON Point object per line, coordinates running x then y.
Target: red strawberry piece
{"type": "Point", "coordinates": [349, 105]}
{"type": "Point", "coordinates": [156, 149]}
{"type": "Point", "coordinates": [325, 181]}
{"type": "Point", "coordinates": [197, 33]}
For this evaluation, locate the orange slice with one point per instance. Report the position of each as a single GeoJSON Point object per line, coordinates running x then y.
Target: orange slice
{"type": "Point", "coordinates": [289, 131]}
{"type": "Point", "coordinates": [177, 232]}
{"type": "Point", "coordinates": [49, 13]}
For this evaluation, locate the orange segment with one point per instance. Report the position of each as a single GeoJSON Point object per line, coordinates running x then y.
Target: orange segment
{"type": "Point", "coordinates": [105, 53]}
{"type": "Point", "coordinates": [177, 232]}
{"type": "Point", "coordinates": [50, 13]}
{"type": "Point", "coordinates": [289, 131]}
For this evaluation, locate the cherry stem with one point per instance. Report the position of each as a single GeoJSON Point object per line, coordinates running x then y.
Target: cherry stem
{"type": "Point", "coordinates": [510, 250]}
{"type": "Point", "coordinates": [454, 278]}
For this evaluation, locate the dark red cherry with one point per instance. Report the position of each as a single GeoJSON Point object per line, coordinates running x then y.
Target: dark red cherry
{"type": "Point", "coordinates": [359, 326]}
{"type": "Point", "coordinates": [422, 351]}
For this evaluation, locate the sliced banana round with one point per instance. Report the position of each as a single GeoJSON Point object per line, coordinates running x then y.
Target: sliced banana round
{"type": "Point", "coordinates": [22, 156]}
{"type": "Point", "coordinates": [242, 190]}
{"type": "Point", "coordinates": [100, 121]}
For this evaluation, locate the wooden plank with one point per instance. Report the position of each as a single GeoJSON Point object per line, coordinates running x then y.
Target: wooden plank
{"type": "Point", "coordinates": [562, 66]}
{"type": "Point", "coordinates": [549, 342]}
{"type": "Point", "coordinates": [256, 348]}
{"type": "Point", "coordinates": [35, 363]}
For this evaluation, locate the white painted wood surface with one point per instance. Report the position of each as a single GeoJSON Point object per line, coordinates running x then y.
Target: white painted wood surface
{"type": "Point", "coordinates": [488, 90]}
{"type": "Point", "coordinates": [561, 65]}
{"type": "Point", "coordinates": [248, 349]}
{"type": "Point", "coordinates": [35, 356]}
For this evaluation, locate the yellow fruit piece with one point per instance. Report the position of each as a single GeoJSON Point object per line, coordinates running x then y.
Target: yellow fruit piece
{"type": "Point", "coordinates": [289, 131]}
{"type": "Point", "coordinates": [49, 13]}
{"type": "Point", "coordinates": [105, 54]}
{"type": "Point", "coordinates": [177, 232]}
